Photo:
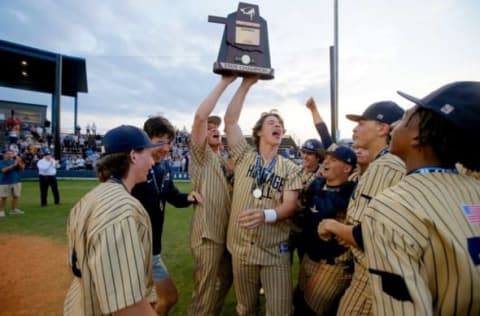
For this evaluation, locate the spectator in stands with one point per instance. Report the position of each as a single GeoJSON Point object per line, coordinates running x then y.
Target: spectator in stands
{"type": "Point", "coordinates": [47, 172]}
{"type": "Point", "coordinates": [10, 184]}
{"type": "Point", "coordinates": [14, 147]}
{"type": "Point", "coordinates": [79, 163]}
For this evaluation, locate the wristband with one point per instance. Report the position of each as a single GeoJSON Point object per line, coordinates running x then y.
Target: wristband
{"type": "Point", "coordinates": [270, 215]}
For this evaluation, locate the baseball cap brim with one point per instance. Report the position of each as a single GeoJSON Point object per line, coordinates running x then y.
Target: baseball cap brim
{"type": "Point", "coordinates": [309, 150]}
{"type": "Point", "coordinates": [354, 117]}
{"type": "Point", "coordinates": [411, 98]}
{"type": "Point", "coordinates": [152, 145]}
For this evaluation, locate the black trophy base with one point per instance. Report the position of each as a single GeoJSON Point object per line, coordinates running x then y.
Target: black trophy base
{"type": "Point", "coordinates": [228, 69]}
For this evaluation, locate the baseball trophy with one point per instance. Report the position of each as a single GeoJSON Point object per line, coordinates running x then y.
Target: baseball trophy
{"type": "Point", "coordinates": [244, 48]}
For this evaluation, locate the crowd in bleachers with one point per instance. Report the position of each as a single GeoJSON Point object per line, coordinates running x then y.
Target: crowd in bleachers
{"type": "Point", "coordinates": [81, 151]}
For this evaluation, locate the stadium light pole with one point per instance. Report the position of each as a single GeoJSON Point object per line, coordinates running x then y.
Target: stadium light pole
{"type": "Point", "coordinates": [334, 75]}
{"type": "Point", "coordinates": [56, 106]}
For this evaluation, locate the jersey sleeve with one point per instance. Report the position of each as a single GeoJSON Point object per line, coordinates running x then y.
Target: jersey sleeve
{"type": "Point", "coordinates": [238, 152]}
{"type": "Point", "coordinates": [397, 274]}
{"type": "Point", "coordinates": [322, 131]}
{"type": "Point", "coordinates": [198, 153]}
{"type": "Point", "coordinates": [118, 266]}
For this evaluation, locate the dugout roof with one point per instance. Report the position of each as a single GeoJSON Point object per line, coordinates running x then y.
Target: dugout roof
{"type": "Point", "coordinates": [29, 68]}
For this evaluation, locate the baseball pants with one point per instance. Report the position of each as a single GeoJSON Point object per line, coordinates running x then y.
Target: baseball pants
{"type": "Point", "coordinates": [45, 182]}
{"type": "Point", "coordinates": [357, 299]}
{"type": "Point", "coordinates": [276, 281]}
{"type": "Point", "coordinates": [323, 284]}
{"type": "Point", "coordinates": [212, 278]}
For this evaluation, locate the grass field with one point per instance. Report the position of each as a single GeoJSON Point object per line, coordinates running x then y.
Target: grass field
{"type": "Point", "coordinates": [50, 222]}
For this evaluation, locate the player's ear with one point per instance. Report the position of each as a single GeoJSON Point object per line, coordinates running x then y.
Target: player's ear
{"type": "Point", "coordinates": [132, 156]}
{"type": "Point", "coordinates": [415, 141]}
{"type": "Point", "coordinates": [383, 129]}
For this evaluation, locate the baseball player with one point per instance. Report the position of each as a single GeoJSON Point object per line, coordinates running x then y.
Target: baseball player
{"type": "Point", "coordinates": [210, 176]}
{"type": "Point", "coordinates": [325, 270]}
{"type": "Point", "coordinates": [372, 132]}
{"type": "Point", "coordinates": [153, 194]}
{"type": "Point", "coordinates": [109, 233]}
{"type": "Point", "coordinates": [422, 236]}
{"type": "Point", "coordinates": [312, 152]}
{"type": "Point", "coordinates": [264, 197]}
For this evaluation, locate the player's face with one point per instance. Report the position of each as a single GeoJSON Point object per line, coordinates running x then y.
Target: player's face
{"type": "Point", "coordinates": [271, 131]}
{"type": "Point", "coordinates": [142, 161]}
{"type": "Point", "coordinates": [335, 170]}
{"type": "Point", "coordinates": [363, 157]}
{"type": "Point", "coordinates": [366, 132]}
{"type": "Point", "coordinates": [214, 137]}
{"type": "Point", "coordinates": [405, 134]}
{"type": "Point", "coordinates": [309, 160]}
{"type": "Point", "coordinates": [162, 151]}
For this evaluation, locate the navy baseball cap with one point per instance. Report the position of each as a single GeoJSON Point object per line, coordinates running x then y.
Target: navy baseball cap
{"type": "Point", "coordinates": [312, 146]}
{"type": "Point", "coordinates": [125, 138]}
{"type": "Point", "coordinates": [458, 102]}
{"type": "Point", "coordinates": [345, 154]}
{"type": "Point", "coordinates": [384, 111]}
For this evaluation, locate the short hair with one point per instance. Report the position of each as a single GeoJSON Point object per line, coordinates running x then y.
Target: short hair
{"type": "Point", "coordinates": [113, 165]}
{"type": "Point", "coordinates": [156, 126]}
{"type": "Point", "coordinates": [451, 144]}
{"type": "Point", "coordinates": [259, 124]}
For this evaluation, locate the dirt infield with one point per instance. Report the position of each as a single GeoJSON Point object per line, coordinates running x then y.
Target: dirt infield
{"type": "Point", "coordinates": [34, 276]}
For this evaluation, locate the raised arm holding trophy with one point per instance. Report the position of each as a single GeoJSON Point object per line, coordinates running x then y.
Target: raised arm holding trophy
{"type": "Point", "coordinates": [244, 48]}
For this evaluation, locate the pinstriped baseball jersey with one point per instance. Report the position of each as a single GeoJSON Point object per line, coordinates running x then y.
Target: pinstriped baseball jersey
{"type": "Point", "coordinates": [110, 232]}
{"type": "Point", "coordinates": [210, 219]}
{"type": "Point", "coordinates": [382, 173]}
{"type": "Point", "coordinates": [422, 248]}
{"type": "Point", "coordinates": [266, 244]}
{"type": "Point", "coordinates": [307, 178]}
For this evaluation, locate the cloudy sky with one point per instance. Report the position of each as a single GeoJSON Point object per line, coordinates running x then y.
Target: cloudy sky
{"type": "Point", "coordinates": [149, 57]}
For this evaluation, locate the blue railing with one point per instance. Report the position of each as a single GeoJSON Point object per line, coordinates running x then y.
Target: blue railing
{"type": "Point", "coordinates": [33, 173]}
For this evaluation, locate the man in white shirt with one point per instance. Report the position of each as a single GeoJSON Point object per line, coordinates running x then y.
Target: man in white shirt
{"type": "Point", "coordinates": [47, 172]}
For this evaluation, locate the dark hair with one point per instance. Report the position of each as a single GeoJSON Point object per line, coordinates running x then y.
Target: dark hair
{"type": "Point", "coordinates": [113, 165]}
{"type": "Point", "coordinates": [258, 125]}
{"type": "Point", "coordinates": [157, 126]}
{"type": "Point", "coordinates": [451, 144]}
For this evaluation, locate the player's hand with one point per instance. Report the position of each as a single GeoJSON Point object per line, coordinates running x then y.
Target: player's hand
{"type": "Point", "coordinates": [229, 79]}
{"type": "Point", "coordinates": [324, 231]}
{"type": "Point", "coordinates": [195, 197]}
{"type": "Point", "coordinates": [342, 242]}
{"type": "Point", "coordinates": [250, 80]}
{"type": "Point", "coordinates": [251, 218]}
{"type": "Point", "coordinates": [311, 105]}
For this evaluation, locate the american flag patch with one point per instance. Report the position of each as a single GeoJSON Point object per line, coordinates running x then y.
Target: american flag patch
{"type": "Point", "coordinates": [472, 213]}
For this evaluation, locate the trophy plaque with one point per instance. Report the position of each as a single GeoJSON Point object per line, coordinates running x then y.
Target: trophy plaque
{"type": "Point", "coordinates": [244, 48]}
